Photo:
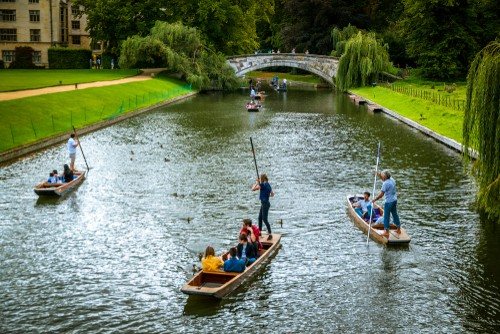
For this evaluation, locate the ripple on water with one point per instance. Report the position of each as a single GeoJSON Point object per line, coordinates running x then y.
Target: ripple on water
{"type": "Point", "coordinates": [112, 256]}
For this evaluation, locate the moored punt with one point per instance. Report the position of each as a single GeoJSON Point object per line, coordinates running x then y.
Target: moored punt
{"type": "Point", "coordinates": [377, 229]}
{"type": "Point", "coordinates": [59, 189]}
{"type": "Point", "coordinates": [219, 283]}
{"type": "Point", "coordinates": [253, 106]}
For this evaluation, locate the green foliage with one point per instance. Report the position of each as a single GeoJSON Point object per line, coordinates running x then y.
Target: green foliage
{"type": "Point", "coordinates": [181, 50]}
{"type": "Point", "coordinates": [24, 58]}
{"type": "Point", "coordinates": [481, 127]}
{"type": "Point", "coordinates": [64, 58]}
{"type": "Point", "coordinates": [364, 58]}
{"type": "Point", "coordinates": [443, 35]}
{"type": "Point", "coordinates": [340, 38]}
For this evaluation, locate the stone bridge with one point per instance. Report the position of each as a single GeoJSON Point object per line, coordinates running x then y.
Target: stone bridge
{"type": "Point", "coordinates": [323, 66]}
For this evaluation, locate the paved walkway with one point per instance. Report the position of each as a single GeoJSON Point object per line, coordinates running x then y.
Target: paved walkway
{"type": "Point", "coordinates": [65, 88]}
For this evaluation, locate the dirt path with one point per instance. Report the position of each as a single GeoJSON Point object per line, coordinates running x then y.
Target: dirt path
{"type": "Point", "coordinates": [5, 96]}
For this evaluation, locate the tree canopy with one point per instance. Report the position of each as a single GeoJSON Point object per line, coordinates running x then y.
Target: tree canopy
{"type": "Point", "coordinates": [364, 57]}
{"type": "Point", "coordinates": [182, 50]}
{"type": "Point", "coordinates": [481, 128]}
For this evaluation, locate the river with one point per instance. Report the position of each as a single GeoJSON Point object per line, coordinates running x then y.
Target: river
{"type": "Point", "coordinates": [112, 256]}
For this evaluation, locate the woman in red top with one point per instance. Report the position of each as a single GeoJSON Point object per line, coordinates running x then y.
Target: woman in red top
{"type": "Point", "coordinates": [252, 232]}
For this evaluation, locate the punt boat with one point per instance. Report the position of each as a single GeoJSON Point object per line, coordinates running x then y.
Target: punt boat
{"type": "Point", "coordinates": [252, 107]}
{"type": "Point", "coordinates": [59, 189]}
{"type": "Point", "coordinates": [219, 284]}
{"type": "Point", "coordinates": [377, 229]}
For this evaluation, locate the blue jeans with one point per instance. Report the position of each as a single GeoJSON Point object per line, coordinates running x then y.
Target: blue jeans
{"type": "Point", "coordinates": [391, 208]}
{"type": "Point", "coordinates": [263, 213]}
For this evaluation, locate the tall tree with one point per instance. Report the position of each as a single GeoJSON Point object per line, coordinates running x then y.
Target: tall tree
{"type": "Point", "coordinates": [443, 35]}
{"type": "Point", "coordinates": [182, 50]}
{"type": "Point", "coordinates": [363, 59]}
{"type": "Point", "coordinates": [481, 129]}
{"type": "Point", "coordinates": [307, 23]}
{"type": "Point", "coordinates": [228, 25]}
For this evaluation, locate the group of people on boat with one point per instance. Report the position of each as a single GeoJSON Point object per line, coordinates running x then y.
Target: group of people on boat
{"type": "Point", "coordinates": [366, 209]}
{"type": "Point", "coordinates": [276, 84]}
{"type": "Point", "coordinates": [55, 179]}
{"type": "Point", "coordinates": [249, 246]}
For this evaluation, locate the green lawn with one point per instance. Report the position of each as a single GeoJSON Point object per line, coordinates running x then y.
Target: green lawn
{"type": "Point", "coordinates": [11, 80]}
{"type": "Point", "coordinates": [30, 119]}
{"type": "Point", "coordinates": [443, 120]}
{"type": "Point", "coordinates": [309, 78]}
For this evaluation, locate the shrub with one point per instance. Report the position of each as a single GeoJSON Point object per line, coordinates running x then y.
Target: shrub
{"type": "Point", "coordinates": [2, 66]}
{"type": "Point", "coordinates": [64, 58]}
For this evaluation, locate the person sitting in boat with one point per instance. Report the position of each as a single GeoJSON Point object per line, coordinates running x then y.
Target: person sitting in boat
{"type": "Point", "coordinates": [252, 232]}
{"type": "Point", "coordinates": [210, 262]}
{"type": "Point", "coordinates": [234, 264]}
{"type": "Point", "coordinates": [246, 251]}
{"type": "Point", "coordinates": [57, 176]}
{"type": "Point", "coordinates": [363, 207]}
{"type": "Point", "coordinates": [68, 175]}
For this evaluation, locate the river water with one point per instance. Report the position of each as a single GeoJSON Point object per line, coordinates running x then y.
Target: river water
{"type": "Point", "coordinates": [112, 256]}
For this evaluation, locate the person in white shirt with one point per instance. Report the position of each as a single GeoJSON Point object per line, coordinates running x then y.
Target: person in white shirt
{"type": "Point", "coordinates": [72, 145]}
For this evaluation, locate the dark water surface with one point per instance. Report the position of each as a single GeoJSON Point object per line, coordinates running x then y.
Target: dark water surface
{"type": "Point", "coordinates": [112, 256]}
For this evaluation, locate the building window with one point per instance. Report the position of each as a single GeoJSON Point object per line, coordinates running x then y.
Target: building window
{"type": "Point", "coordinates": [34, 16]}
{"type": "Point", "coordinates": [37, 57]}
{"type": "Point", "coordinates": [7, 0]}
{"type": "Point", "coordinates": [8, 55]}
{"type": "Point", "coordinates": [75, 40]}
{"type": "Point", "coordinates": [7, 14]}
{"type": "Point", "coordinates": [34, 1]}
{"type": "Point", "coordinates": [35, 35]}
{"type": "Point", "coordinates": [75, 24]}
{"type": "Point", "coordinates": [75, 11]}
{"type": "Point", "coordinates": [8, 35]}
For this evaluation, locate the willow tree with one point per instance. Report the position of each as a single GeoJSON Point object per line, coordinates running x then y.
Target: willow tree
{"type": "Point", "coordinates": [182, 50]}
{"type": "Point", "coordinates": [363, 59]}
{"type": "Point", "coordinates": [340, 38]}
{"type": "Point", "coordinates": [481, 128]}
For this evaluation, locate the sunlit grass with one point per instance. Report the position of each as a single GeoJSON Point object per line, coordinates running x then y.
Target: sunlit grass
{"type": "Point", "coordinates": [29, 119]}
{"type": "Point", "coordinates": [443, 120]}
{"type": "Point", "coordinates": [11, 80]}
{"type": "Point", "coordinates": [309, 78]}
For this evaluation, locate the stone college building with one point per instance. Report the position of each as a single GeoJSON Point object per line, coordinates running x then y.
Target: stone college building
{"type": "Point", "coordinates": [40, 24]}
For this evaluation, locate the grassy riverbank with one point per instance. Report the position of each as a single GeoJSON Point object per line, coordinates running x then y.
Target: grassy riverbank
{"type": "Point", "coordinates": [11, 80]}
{"type": "Point", "coordinates": [308, 78]}
{"type": "Point", "coordinates": [438, 106]}
{"type": "Point", "coordinates": [30, 119]}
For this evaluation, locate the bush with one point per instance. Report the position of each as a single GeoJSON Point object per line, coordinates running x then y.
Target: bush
{"type": "Point", "coordinates": [64, 58]}
{"type": "Point", "coordinates": [24, 58]}
{"type": "Point", "coordinates": [2, 66]}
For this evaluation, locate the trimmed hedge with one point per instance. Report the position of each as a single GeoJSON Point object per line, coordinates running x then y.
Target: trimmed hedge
{"type": "Point", "coordinates": [64, 58]}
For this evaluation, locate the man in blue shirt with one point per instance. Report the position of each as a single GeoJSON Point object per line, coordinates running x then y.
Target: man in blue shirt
{"type": "Point", "coordinates": [233, 263]}
{"type": "Point", "coordinates": [391, 201]}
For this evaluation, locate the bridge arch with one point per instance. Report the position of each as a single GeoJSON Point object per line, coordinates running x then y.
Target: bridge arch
{"type": "Point", "coordinates": [323, 66]}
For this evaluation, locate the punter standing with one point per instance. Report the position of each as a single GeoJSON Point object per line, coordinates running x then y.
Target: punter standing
{"type": "Point", "coordinates": [72, 145]}
{"type": "Point", "coordinates": [391, 201]}
{"type": "Point", "coordinates": [266, 191]}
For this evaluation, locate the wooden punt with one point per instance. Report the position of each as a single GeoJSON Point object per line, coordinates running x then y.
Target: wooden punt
{"type": "Point", "coordinates": [219, 284]}
{"type": "Point", "coordinates": [59, 189]}
{"type": "Point", "coordinates": [377, 229]}
{"type": "Point", "coordinates": [253, 107]}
